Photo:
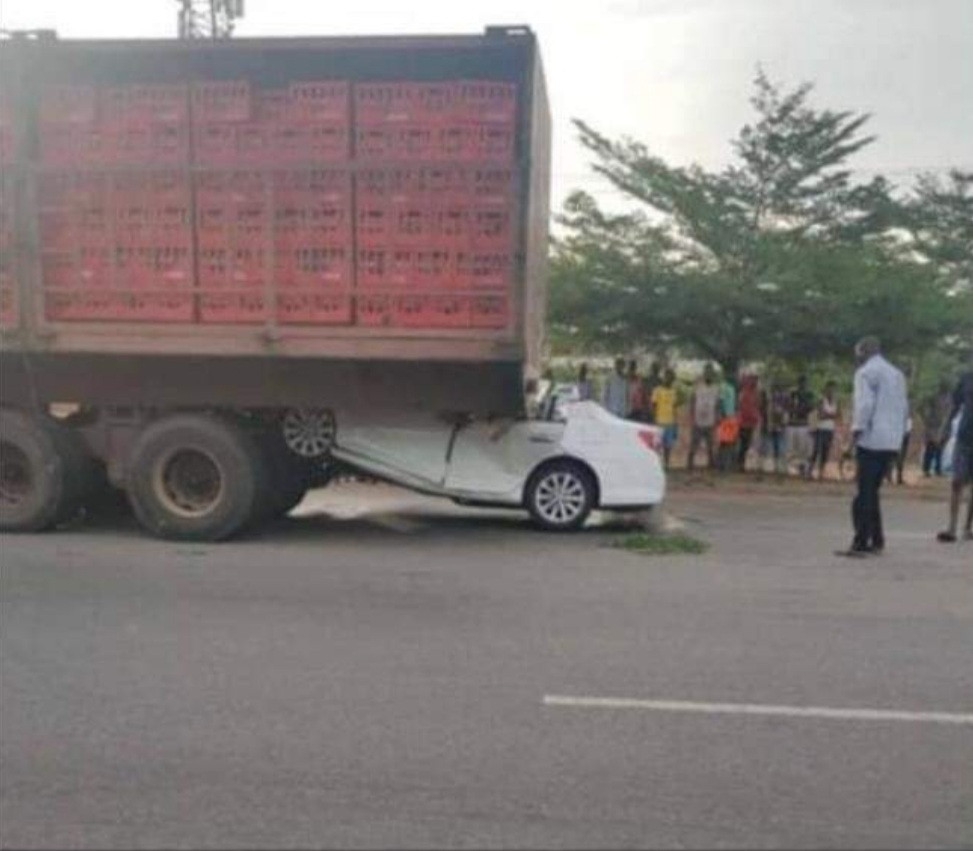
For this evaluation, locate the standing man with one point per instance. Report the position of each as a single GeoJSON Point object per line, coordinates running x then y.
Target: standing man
{"type": "Point", "coordinates": [636, 399]}
{"type": "Point", "coordinates": [829, 412]}
{"type": "Point", "coordinates": [585, 389]}
{"type": "Point", "coordinates": [652, 380]}
{"type": "Point", "coordinates": [614, 395]}
{"type": "Point", "coordinates": [664, 413]}
{"type": "Point", "coordinates": [934, 412]}
{"type": "Point", "coordinates": [800, 404]}
{"type": "Point", "coordinates": [773, 416]}
{"type": "Point", "coordinates": [962, 459]}
{"type": "Point", "coordinates": [881, 408]}
{"type": "Point", "coordinates": [749, 417]}
{"type": "Point", "coordinates": [704, 407]}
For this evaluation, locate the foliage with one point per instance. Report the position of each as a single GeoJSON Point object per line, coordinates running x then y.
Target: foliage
{"type": "Point", "coordinates": [646, 543]}
{"type": "Point", "coordinates": [780, 254]}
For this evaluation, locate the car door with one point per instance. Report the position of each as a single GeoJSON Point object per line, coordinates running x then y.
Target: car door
{"type": "Point", "coordinates": [414, 445]}
{"type": "Point", "coordinates": [491, 460]}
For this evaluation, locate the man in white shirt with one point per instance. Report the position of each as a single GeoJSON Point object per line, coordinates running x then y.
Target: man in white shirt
{"type": "Point", "coordinates": [881, 408]}
{"type": "Point", "coordinates": [614, 395]}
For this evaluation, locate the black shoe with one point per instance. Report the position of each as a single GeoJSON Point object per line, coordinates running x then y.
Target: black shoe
{"type": "Point", "coordinates": [854, 552]}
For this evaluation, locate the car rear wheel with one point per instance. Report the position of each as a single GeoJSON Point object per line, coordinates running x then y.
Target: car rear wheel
{"type": "Point", "coordinates": [560, 496]}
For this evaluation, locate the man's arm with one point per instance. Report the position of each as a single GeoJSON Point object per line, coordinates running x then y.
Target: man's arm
{"type": "Point", "coordinates": [864, 404]}
{"type": "Point", "coordinates": [954, 409]}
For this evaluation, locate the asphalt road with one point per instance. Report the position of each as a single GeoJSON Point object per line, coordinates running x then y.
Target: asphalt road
{"type": "Point", "coordinates": [373, 674]}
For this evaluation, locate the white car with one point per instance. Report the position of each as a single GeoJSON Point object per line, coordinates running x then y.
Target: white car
{"type": "Point", "coordinates": [572, 458]}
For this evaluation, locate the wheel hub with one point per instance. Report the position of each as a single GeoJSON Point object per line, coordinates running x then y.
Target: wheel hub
{"type": "Point", "coordinates": [190, 482]}
{"type": "Point", "coordinates": [560, 497]}
{"type": "Point", "coordinates": [309, 432]}
{"type": "Point", "coordinates": [16, 480]}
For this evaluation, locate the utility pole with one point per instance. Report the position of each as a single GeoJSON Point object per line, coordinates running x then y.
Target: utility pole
{"type": "Point", "coordinates": [208, 18]}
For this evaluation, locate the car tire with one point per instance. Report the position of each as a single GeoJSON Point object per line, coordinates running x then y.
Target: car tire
{"type": "Point", "coordinates": [45, 472]}
{"type": "Point", "coordinates": [560, 495]}
{"type": "Point", "coordinates": [195, 477]}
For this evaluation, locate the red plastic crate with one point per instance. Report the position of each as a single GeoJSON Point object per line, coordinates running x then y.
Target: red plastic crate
{"type": "Point", "coordinates": [404, 268]}
{"type": "Point", "coordinates": [233, 189]}
{"type": "Point", "coordinates": [225, 144]}
{"type": "Point", "coordinates": [145, 104]}
{"type": "Point", "coordinates": [75, 145]}
{"type": "Point", "coordinates": [68, 104]}
{"type": "Point", "coordinates": [218, 101]}
{"type": "Point", "coordinates": [373, 310]}
{"type": "Point", "coordinates": [489, 311]}
{"type": "Point", "coordinates": [72, 191]}
{"type": "Point", "coordinates": [322, 184]}
{"type": "Point", "coordinates": [404, 102]}
{"type": "Point", "coordinates": [239, 266]}
{"type": "Point", "coordinates": [431, 311]}
{"type": "Point", "coordinates": [235, 226]}
{"type": "Point", "coordinates": [150, 144]}
{"type": "Point", "coordinates": [491, 187]}
{"type": "Point", "coordinates": [113, 306]}
{"type": "Point", "coordinates": [483, 270]}
{"type": "Point", "coordinates": [319, 224]}
{"type": "Point", "coordinates": [270, 105]}
{"type": "Point", "coordinates": [319, 101]}
{"type": "Point", "coordinates": [155, 188]}
{"type": "Point", "coordinates": [485, 101]}
{"type": "Point", "coordinates": [378, 142]}
{"type": "Point", "coordinates": [474, 142]}
{"type": "Point", "coordinates": [321, 266]}
{"type": "Point", "coordinates": [314, 308]}
{"type": "Point", "coordinates": [420, 185]}
{"type": "Point", "coordinates": [153, 266]}
{"type": "Point", "coordinates": [83, 305]}
{"type": "Point", "coordinates": [232, 309]}
{"type": "Point", "coordinates": [297, 142]}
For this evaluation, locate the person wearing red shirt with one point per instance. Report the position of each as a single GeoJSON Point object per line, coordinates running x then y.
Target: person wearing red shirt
{"type": "Point", "coordinates": [749, 405]}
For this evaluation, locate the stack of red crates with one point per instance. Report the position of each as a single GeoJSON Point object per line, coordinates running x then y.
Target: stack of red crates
{"type": "Point", "coordinates": [274, 212]}
{"type": "Point", "coordinates": [117, 244]}
{"type": "Point", "coordinates": [435, 203]}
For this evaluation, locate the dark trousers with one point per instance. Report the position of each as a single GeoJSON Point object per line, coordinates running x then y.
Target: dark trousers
{"type": "Point", "coordinates": [932, 458]}
{"type": "Point", "coordinates": [866, 509]}
{"type": "Point", "coordinates": [823, 438]}
{"type": "Point", "coordinates": [701, 434]}
{"type": "Point", "coordinates": [746, 439]}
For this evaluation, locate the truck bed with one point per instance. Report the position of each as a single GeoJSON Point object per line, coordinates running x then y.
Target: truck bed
{"type": "Point", "coordinates": [292, 292]}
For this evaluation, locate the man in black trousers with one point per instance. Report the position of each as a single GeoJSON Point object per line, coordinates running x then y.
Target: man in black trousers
{"type": "Point", "coordinates": [881, 410]}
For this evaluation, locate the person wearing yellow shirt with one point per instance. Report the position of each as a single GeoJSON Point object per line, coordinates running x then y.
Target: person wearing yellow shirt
{"type": "Point", "coordinates": [664, 412]}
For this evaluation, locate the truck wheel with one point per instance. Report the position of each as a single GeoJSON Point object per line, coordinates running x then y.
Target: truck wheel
{"type": "Point", "coordinates": [560, 496]}
{"type": "Point", "coordinates": [195, 478]}
{"type": "Point", "coordinates": [43, 472]}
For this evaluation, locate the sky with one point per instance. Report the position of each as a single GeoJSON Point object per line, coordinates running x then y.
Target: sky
{"type": "Point", "coordinates": [675, 74]}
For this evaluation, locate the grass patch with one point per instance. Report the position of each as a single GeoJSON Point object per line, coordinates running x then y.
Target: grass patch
{"type": "Point", "coordinates": [649, 544]}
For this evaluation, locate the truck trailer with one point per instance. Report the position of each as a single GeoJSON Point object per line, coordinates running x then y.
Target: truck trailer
{"type": "Point", "coordinates": [224, 264]}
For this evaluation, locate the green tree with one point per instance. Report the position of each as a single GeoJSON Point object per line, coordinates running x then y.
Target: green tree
{"type": "Point", "coordinates": [781, 253]}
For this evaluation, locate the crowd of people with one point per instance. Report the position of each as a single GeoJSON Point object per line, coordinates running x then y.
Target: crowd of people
{"type": "Point", "coordinates": [787, 427]}
{"type": "Point", "coordinates": [790, 428]}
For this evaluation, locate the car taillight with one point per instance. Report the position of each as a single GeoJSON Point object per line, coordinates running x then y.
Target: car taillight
{"type": "Point", "coordinates": [651, 439]}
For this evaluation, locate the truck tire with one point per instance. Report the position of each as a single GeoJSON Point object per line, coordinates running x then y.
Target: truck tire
{"type": "Point", "coordinates": [560, 495]}
{"type": "Point", "coordinates": [195, 477]}
{"type": "Point", "coordinates": [44, 472]}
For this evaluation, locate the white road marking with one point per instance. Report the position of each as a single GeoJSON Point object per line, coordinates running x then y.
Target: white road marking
{"type": "Point", "coordinates": [759, 709]}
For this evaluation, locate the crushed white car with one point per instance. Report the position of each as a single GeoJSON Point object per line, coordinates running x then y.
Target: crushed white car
{"type": "Point", "coordinates": [559, 466]}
